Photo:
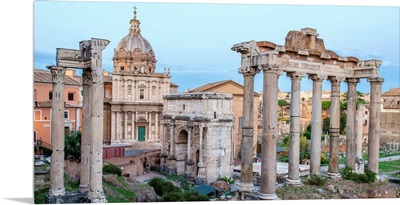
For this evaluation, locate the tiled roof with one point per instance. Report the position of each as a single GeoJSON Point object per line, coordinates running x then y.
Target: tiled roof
{"type": "Point", "coordinates": [44, 76]}
{"type": "Point", "coordinates": [210, 86]}
{"type": "Point", "coordinates": [173, 84]}
{"type": "Point", "coordinates": [47, 104]}
{"type": "Point", "coordinates": [392, 92]}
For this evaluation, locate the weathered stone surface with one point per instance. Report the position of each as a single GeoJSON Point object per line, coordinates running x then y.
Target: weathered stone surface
{"type": "Point", "coordinates": [222, 186]}
{"type": "Point", "coordinates": [331, 188]}
{"type": "Point", "coordinates": [388, 191]}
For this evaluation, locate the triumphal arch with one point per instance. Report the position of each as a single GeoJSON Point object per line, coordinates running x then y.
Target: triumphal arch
{"type": "Point", "coordinates": [304, 55]}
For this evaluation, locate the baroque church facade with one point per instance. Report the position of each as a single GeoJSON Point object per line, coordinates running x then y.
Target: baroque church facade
{"type": "Point", "coordinates": [137, 92]}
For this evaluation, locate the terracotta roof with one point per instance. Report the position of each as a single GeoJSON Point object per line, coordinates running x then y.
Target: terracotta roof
{"type": "Point", "coordinates": [47, 104]}
{"type": "Point", "coordinates": [173, 84]}
{"type": "Point", "coordinates": [210, 86]}
{"type": "Point", "coordinates": [44, 76]}
{"type": "Point", "coordinates": [392, 92]}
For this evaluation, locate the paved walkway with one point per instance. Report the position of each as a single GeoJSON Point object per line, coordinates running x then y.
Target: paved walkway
{"type": "Point", "coordinates": [149, 175]}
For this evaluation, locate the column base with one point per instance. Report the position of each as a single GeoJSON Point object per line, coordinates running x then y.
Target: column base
{"type": "Point", "coordinates": [54, 193]}
{"type": "Point", "coordinates": [268, 196]}
{"type": "Point", "coordinates": [98, 198]}
{"type": "Point", "coordinates": [293, 182]}
{"type": "Point", "coordinates": [83, 189]}
{"type": "Point", "coordinates": [334, 175]}
{"type": "Point", "coordinates": [246, 187]}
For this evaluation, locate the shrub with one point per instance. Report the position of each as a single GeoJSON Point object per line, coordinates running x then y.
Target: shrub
{"type": "Point", "coordinates": [367, 177]}
{"type": "Point", "coordinates": [227, 180]}
{"type": "Point", "coordinates": [317, 180]}
{"type": "Point", "coordinates": [112, 169]}
{"type": "Point", "coordinates": [162, 187]}
{"type": "Point", "coordinates": [172, 196]}
{"type": "Point", "coordinates": [324, 159]}
{"type": "Point", "coordinates": [195, 196]}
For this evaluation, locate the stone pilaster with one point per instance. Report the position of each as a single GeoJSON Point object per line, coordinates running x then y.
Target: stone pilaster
{"type": "Point", "coordinates": [333, 168]}
{"type": "Point", "coordinates": [246, 179]}
{"type": "Point", "coordinates": [86, 131]}
{"type": "Point", "coordinates": [269, 135]}
{"type": "Point", "coordinates": [316, 124]}
{"type": "Point", "coordinates": [57, 133]}
{"type": "Point", "coordinates": [294, 144]}
{"type": "Point", "coordinates": [171, 156]}
{"type": "Point", "coordinates": [200, 166]}
{"type": "Point", "coordinates": [351, 122]}
{"type": "Point", "coordinates": [113, 130]}
{"type": "Point", "coordinates": [96, 193]}
{"type": "Point", "coordinates": [360, 113]}
{"type": "Point", "coordinates": [189, 162]}
{"type": "Point", "coordinates": [374, 123]}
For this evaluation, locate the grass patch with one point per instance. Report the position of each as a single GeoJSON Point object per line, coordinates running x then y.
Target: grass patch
{"type": "Point", "coordinates": [118, 194]}
{"type": "Point", "coordinates": [389, 166]}
{"type": "Point", "coordinates": [40, 195]}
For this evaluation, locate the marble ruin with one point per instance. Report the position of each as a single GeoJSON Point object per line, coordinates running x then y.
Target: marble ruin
{"type": "Point", "coordinates": [197, 135]}
{"type": "Point", "coordinates": [304, 55]}
{"type": "Point", "coordinates": [89, 59]}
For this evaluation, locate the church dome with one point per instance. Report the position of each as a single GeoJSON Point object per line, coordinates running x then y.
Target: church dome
{"type": "Point", "coordinates": [134, 39]}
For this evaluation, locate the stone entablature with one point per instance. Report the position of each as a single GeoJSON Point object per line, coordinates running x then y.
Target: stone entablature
{"type": "Point", "coordinates": [298, 56]}
{"type": "Point", "coordinates": [197, 139]}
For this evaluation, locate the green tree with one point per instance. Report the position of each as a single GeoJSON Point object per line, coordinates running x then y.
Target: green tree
{"type": "Point", "coordinates": [304, 148]}
{"type": "Point", "coordinates": [326, 105]}
{"type": "Point", "coordinates": [72, 145]}
{"type": "Point", "coordinates": [307, 133]}
{"type": "Point", "coordinates": [325, 124]}
{"type": "Point", "coordinates": [281, 104]}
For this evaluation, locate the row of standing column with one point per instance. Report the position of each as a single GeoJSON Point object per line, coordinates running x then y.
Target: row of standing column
{"type": "Point", "coordinates": [270, 98]}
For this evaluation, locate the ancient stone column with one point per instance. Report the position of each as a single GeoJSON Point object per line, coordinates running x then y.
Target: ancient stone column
{"type": "Point", "coordinates": [374, 123]}
{"type": "Point", "coordinates": [113, 130]}
{"type": "Point", "coordinates": [246, 179]}
{"type": "Point", "coordinates": [269, 135]}
{"type": "Point", "coordinates": [334, 128]}
{"type": "Point", "coordinates": [86, 130]}
{"type": "Point", "coordinates": [156, 124]}
{"type": "Point", "coordinates": [316, 124]}
{"type": "Point", "coordinates": [150, 127]}
{"type": "Point", "coordinates": [126, 137]}
{"type": "Point", "coordinates": [351, 122]}
{"type": "Point", "coordinates": [96, 193]}
{"type": "Point", "coordinates": [294, 144]}
{"type": "Point", "coordinates": [57, 132]}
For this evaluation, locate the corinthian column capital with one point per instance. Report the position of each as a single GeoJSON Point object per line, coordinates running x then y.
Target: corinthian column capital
{"type": "Point", "coordinates": [295, 75]}
{"type": "Point", "coordinates": [57, 74]}
{"type": "Point", "coordinates": [248, 71]}
{"type": "Point", "coordinates": [352, 80]}
{"type": "Point", "coordinates": [335, 80]}
{"type": "Point", "coordinates": [317, 77]}
{"type": "Point", "coordinates": [375, 80]}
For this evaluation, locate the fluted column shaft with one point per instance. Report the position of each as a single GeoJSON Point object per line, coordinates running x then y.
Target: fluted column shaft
{"type": "Point", "coordinates": [316, 125]}
{"type": "Point", "coordinates": [333, 168]}
{"type": "Point", "coordinates": [86, 131]}
{"type": "Point", "coordinates": [351, 122]}
{"type": "Point", "coordinates": [188, 157]}
{"type": "Point", "coordinates": [171, 140]}
{"type": "Point", "coordinates": [374, 123]}
{"type": "Point", "coordinates": [57, 133]}
{"type": "Point", "coordinates": [269, 135]}
{"type": "Point", "coordinates": [360, 111]}
{"type": "Point", "coordinates": [246, 179]}
{"type": "Point", "coordinates": [294, 144]}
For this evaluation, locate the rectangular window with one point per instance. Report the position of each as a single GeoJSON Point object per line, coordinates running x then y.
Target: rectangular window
{"type": "Point", "coordinates": [50, 95]}
{"type": "Point", "coordinates": [35, 94]}
{"type": "Point", "coordinates": [66, 114]}
{"type": "Point", "coordinates": [70, 96]}
{"type": "Point", "coordinates": [38, 114]}
{"type": "Point", "coordinates": [141, 94]}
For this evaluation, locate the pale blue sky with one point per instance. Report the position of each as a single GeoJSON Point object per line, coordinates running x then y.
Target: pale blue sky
{"type": "Point", "coordinates": [194, 40]}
